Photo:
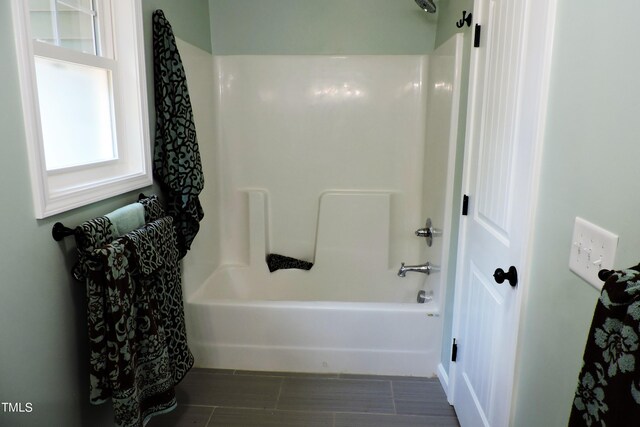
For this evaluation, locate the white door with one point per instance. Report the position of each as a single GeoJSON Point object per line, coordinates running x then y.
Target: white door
{"type": "Point", "coordinates": [507, 99]}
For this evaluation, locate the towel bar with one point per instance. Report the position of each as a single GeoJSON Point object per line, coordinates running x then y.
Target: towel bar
{"type": "Point", "coordinates": [59, 231]}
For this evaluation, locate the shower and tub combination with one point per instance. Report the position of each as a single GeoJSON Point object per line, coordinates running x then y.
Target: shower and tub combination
{"type": "Point", "coordinates": [333, 160]}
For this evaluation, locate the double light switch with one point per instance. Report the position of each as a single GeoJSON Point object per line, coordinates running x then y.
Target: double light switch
{"type": "Point", "coordinates": [592, 249]}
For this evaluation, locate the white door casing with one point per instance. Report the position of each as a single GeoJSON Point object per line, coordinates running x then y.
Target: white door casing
{"type": "Point", "coordinates": [507, 107]}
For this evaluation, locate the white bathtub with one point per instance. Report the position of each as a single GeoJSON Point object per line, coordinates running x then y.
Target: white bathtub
{"type": "Point", "coordinates": [230, 328]}
{"type": "Point", "coordinates": [335, 160]}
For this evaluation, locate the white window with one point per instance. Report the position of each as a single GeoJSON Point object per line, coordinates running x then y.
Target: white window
{"type": "Point", "coordinates": [84, 98]}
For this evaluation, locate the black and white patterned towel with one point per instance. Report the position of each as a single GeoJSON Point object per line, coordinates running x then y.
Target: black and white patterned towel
{"type": "Point", "coordinates": [176, 160]}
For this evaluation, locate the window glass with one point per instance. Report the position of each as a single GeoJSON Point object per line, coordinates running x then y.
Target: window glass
{"type": "Point", "coordinates": [66, 23]}
{"type": "Point", "coordinates": [76, 113]}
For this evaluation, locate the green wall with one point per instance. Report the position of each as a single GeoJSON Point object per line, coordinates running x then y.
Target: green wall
{"type": "Point", "coordinates": [189, 19]}
{"type": "Point", "coordinates": [43, 356]}
{"type": "Point", "coordinates": [590, 170]}
{"type": "Point", "coordinates": [376, 27]}
{"type": "Point", "coordinates": [449, 14]}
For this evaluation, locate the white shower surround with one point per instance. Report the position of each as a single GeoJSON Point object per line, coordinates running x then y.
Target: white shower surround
{"type": "Point", "coordinates": [327, 159]}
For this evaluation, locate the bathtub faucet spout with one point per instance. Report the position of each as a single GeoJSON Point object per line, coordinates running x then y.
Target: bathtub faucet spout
{"type": "Point", "coordinates": [424, 268]}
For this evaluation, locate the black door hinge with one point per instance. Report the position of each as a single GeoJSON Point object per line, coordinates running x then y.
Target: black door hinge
{"type": "Point", "coordinates": [476, 37]}
{"type": "Point", "coordinates": [454, 351]}
{"type": "Point", "coordinates": [465, 204]}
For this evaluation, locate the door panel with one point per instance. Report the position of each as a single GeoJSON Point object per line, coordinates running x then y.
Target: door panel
{"type": "Point", "coordinates": [494, 234]}
{"type": "Point", "coordinates": [495, 136]}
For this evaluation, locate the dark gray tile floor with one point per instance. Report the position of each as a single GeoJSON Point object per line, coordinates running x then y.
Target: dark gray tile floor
{"type": "Point", "coordinates": [210, 397]}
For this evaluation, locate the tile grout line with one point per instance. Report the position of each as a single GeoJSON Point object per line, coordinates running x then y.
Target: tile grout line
{"type": "Point", "coordinates": [275, 407]}
{"type": "Point", "coordinates": [195, 405]}
{"type": "Point", "coordinates": [210, 417]}
{"type": "Point", "coordinates": [393, 398]}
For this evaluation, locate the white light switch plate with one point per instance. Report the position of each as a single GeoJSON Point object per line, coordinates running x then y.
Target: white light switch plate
{"type": "Point", "coordinates": [592, 249]}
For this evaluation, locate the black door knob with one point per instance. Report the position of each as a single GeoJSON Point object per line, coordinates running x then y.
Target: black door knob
{"type": "Point", "coordinates": [512, 276]}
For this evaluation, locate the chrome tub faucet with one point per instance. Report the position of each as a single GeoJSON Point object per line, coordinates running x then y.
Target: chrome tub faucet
{"type": "Point", "coordinates": [424, 268]}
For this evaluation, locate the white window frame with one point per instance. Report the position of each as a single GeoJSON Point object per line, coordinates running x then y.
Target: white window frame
{"type": "Point", "coordinates": [57, 191]}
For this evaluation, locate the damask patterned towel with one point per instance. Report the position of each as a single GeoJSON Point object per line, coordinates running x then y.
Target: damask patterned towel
{"type": "Point", "coordinates": [158, 270]}
{"type": "Point", "coordinates": [176, 162]}
{"type": "Point", "coordinates": [137, 342]}
{"type": "Point", "coordinates": [100, 231]}
{"type": "Point", "coordinates": [608, 392]}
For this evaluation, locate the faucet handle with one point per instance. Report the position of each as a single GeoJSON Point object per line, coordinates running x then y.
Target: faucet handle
{"type": "Point", "coordinates": [428, 232]}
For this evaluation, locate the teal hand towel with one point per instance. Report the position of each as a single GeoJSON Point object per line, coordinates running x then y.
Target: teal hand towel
{"type": "Point", "coordinates": [127, 218]}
